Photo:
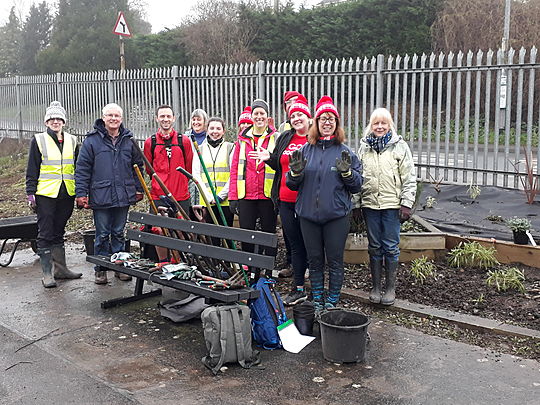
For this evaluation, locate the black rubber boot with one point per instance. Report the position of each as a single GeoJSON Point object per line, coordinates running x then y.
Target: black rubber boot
{"type": "Point", "coordinates": [60, 268]}
{"type": "Point", "coordinates": [389, 296]}
{"type": "Point", "coordinates": [45, 258]}
{"type": "Point", "coordinates": [376, 272]}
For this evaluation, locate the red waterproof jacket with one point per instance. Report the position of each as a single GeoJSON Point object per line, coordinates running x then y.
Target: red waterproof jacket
{"type": "Point", "coordinates": [165, 167]}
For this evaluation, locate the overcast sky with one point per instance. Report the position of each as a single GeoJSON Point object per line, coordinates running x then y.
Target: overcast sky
{"type": "Point", "coordinates": [160, 13]}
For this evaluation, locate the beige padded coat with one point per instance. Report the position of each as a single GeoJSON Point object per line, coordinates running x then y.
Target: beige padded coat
{"type": "Point", "coordinates": [389, 177]}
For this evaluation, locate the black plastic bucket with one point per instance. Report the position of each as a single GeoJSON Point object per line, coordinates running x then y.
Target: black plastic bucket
{"type": "Point", "coordinates": [89, 237]}
{"type": "Point", "coordinates": [344, 335]}
{"type": "Point", "coordinates": [304, 316]}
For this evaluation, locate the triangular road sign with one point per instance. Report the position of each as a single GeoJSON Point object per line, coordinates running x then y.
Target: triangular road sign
{"type": "Point", "coordinates": [121, 27]}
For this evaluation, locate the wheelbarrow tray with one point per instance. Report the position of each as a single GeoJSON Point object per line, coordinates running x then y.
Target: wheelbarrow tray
{"type": "Point", "coordinates": [19, 228]}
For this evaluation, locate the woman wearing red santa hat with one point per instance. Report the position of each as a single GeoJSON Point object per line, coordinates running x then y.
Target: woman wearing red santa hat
{"type": "Point", "coordinates": [284, 198]}
{"type": "Point", "coordinates": [325, 172]}
{"type": "Point", "coordinates": [244, 120]}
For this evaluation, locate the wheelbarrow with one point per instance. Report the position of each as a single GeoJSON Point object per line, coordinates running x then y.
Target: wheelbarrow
{"type": "Point", "coordinates": [24, 229]}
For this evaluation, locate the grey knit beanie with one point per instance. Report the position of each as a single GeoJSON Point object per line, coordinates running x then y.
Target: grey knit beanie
{"type": "Point", "coordinates": [55, 110]}
{"type": "Point", "coordinates": [259, 103]}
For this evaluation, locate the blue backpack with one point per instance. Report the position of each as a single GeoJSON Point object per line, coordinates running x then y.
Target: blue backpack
{"type": "Point", "coordinates": [267, 312]}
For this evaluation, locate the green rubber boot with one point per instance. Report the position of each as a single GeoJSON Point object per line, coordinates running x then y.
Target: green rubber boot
{"type": "Point", "coordinates": [390, 284]}
{"type": "Point", "coordinates": [45, 258]}
{"type": "Point", "coordinates": [376, 272]}
{"type": "Point", "coordinates": [60, 268]}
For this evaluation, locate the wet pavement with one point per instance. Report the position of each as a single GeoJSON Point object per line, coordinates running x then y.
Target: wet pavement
{"type": "Point", "coordinates": [132, 355]}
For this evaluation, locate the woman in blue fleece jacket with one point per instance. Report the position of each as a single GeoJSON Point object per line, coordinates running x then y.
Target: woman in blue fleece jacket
{"type": "Point", "coordinates": [325, 172]}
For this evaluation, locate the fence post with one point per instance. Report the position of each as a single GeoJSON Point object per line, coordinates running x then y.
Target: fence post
{"type": "Point", "coordinates": [110, 86]}
{"type": "Point", "coordinates": [260, 80]}
{"type": "Point", "coordinates": [379, 85]}
{"type": "Point", "coordinates": [59, 88]}
{"type": "Point", "coordinates": [19, 107]}
{"type": "Point", "coordinates": [175, 89]}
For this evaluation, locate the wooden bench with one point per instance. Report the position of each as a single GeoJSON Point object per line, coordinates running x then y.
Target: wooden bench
{"type": "Point", "coordinates": [255, 261]}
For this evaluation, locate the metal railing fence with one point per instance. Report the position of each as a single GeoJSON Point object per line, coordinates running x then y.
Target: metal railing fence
{"type": "Point", "coordinates": [469, 118]}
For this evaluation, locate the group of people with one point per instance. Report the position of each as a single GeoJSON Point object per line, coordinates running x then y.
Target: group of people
{"type": "Point", "coordinates": [304, 173]}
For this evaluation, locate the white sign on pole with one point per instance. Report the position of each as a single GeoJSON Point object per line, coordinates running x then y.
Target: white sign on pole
{"type": "Point", "coordinates": [121, 27]}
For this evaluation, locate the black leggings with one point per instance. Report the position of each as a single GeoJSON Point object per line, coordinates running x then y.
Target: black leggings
{"type": "Point", "coordinates": [251, 210]}
{"type": "Point", "coordinates": [293, 233]}
{"type": "Point", "coordinates": [325, 241]}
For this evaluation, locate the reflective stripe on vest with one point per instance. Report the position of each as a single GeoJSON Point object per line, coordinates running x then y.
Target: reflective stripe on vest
{"type": "Point", "coordinates": [268, 171]}
{"type": "Point", "coordinates": [218, 166]}
{"type": "Point", "coordinates": [56, 167]}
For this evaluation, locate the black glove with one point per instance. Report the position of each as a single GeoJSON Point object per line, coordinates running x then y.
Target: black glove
{"type": "Point", "coordinates": [343, 165]}
{"type": "Point", "coordinates": [233, 206]}
{"type": "Point", "coordinates": [297, 163]}
{"type": "Point", "coordinates": [404, 214]}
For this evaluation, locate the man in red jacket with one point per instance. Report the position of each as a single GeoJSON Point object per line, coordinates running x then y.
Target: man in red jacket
{"type": "Point", "coordinates": [166, 150]}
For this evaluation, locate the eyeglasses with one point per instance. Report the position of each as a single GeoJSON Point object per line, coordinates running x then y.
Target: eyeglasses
{"type": "Point", "coordinates": [329, 120]}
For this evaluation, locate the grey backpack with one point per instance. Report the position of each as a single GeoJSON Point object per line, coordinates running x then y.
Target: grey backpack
{"type": "Point", "coordinates": [227, 333]}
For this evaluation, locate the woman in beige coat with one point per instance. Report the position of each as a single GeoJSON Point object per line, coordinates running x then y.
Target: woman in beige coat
{"type": "Point", "coordinates": [387, 196]}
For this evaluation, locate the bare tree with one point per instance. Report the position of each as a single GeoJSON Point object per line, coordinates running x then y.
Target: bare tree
{"type": "Point", "coordinates": [214, 35]}
{"type": "Point", "coordinates": [478, 24]}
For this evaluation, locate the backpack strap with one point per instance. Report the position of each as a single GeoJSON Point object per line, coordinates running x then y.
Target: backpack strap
{"type": "Point", "coordinates": [180, 144]}
{"type": "Point", "coordinates": [222, 342]}
{"type": "Point", "coordinates": [240, 348]}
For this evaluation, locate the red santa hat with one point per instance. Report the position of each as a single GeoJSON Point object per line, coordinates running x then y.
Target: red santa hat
{"type": "Point", "coordinates": [326, 104]}
{"type": "Point", "coordinates": [290, 94]}
{"type": "Point", "coordinates": [245, 117]}
{"type": "Point", "coordinates": [301, 105]}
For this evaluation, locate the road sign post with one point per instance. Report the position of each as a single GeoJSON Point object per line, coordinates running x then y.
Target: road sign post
{"type": "Point", "coordinates": [122, 30]}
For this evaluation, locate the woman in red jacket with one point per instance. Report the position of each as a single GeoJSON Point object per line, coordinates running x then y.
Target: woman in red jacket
{"type": "Point", "coordinates": [251, 180]}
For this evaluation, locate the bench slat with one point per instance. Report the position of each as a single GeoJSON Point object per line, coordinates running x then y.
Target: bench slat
{"type": "Point", "coordinates": [217, 231]}
{"type": "Point", "coordinates": [232, 295]}
{"type": "Point", "coordinates": [201, 249]}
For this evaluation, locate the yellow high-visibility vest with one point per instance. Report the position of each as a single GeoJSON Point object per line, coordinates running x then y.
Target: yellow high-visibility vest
{"type": "Point", "coordinates": [218, 167]}
{"type": "Point", "coordinates": [56, 167]}
{"type": "Point", "coordinates": [268, 171]}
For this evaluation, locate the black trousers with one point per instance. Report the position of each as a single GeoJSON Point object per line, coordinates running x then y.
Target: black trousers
{"type": "Point", "coordinates": [249, 212]}
{"type": "Point", "coordinates": [52, 217]}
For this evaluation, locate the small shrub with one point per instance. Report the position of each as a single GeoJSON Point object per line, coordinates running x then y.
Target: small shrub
{"type": "Point", "coordinates": [474, 191]}
{"type": "Point", "coordinates": [422, 268]}
{"type": "Point", "coordinates": [506, 279]}
{"type": "Point", "coordinates": [472, 254]}
{"type": "Point", "coordinates": [430, 202]}
{"type": "Point", "coordinates": [518, 224]}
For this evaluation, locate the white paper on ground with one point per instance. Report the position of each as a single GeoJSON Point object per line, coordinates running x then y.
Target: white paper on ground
{"type": "Point", "coordinates": [291, 339]}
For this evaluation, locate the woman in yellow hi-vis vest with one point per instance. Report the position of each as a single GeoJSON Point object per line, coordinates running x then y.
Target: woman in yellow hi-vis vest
{"type": "Point", "coordinates": [251, 180]}
{"type": "Point", "coordinates": [50, 190]}
{"type": "Point", "coordinates": [217, 156]}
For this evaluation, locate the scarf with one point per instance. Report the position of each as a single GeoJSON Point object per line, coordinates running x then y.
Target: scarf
{"type": "Point", "coordinates": [214, 143]}
{"type": "Point", "coordinates": [378, 143]}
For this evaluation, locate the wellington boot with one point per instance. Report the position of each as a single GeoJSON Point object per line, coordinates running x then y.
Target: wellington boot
{"type": "Point", "coordinates": [45, 258]}
{"type": "Point", "coordinates": [389, 295]}
{"type": "Point", "coordinates": [59, 260]}
{"type": "Point", "coordinates": [376, 271]}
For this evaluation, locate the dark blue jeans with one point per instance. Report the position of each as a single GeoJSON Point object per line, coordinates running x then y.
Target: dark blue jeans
{"type": "Point", "coordinates": [325, 241]}
{"type": "Point", "coordinates": [293, 233]}
{"type": "Point", "coordinates": [383, 233]}
{"type": "Point", "coordinates": [109, 224]}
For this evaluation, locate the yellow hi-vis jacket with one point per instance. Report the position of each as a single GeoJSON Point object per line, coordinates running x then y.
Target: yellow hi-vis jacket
{"type": "Point", "coordinates": [218, 164]}
{"type": "Point", "coordinates": [56, 167]}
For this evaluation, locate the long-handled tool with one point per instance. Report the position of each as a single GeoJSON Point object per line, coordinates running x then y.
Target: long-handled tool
{"type": "Point", "coordinates": [179, 208]}
{"type": "Point", "coordinates": [212, 215]}
{"type": "Point", "coordinates": [210, 184]}
{"type": "Point", "coordinates": [165, 231]}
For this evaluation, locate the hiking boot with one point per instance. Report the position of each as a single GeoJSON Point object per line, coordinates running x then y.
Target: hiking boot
{"type": "Point", "coordinates": [60, 268]}
{"type": "Point", "coordinates": [101, 277]}
{"type": "Point", "coordinates": [122, 276]}
{"type": "Point", "coordinates": [329, 305]}
{"type": "Point", "coordinates": [295, 297]}
{"type": "Point", "coordinates": [286, 272]}
{"type": "Point", "coordinates": [45, 258]}
{"type": "Point", "coordinates": [389, 295]}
